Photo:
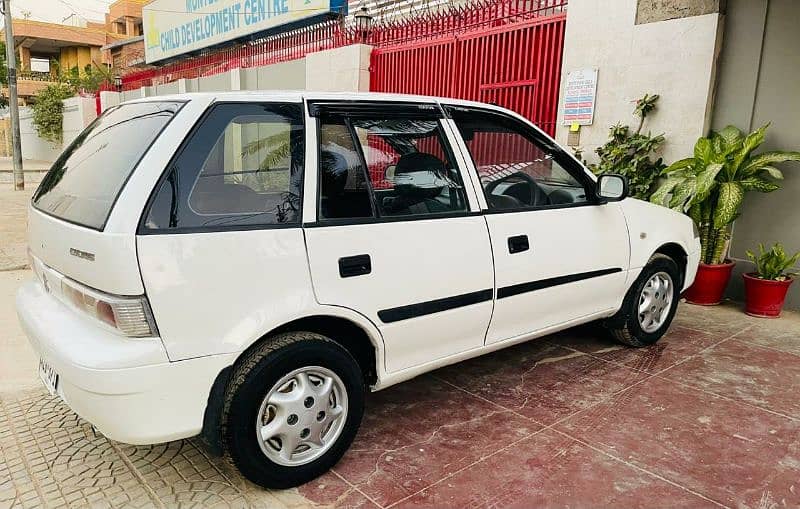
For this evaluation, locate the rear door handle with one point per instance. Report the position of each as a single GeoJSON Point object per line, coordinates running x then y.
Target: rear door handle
{"type": "Point", "coordinates": [518, 244]}
{"type": "Point", "coordinates": [358, 265]}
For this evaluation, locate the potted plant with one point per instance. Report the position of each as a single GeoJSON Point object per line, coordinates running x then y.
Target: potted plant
{"type": "Point", "coordinates": [710, 188]}
{"type": "Point", "coordinates": [765, 289]}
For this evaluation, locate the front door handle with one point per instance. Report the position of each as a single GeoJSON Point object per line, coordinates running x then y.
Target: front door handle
{"type": "Point", "coordinates": [358, 265]}
{"type": "Point", "coordinates": [518, 244]}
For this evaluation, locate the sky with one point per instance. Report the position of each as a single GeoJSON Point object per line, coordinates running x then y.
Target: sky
{"type": "Point", "coordinates": [55, 11]}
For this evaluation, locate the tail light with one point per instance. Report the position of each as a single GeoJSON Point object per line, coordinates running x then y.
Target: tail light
{"type": "Point", "coordinates": [131, 316]}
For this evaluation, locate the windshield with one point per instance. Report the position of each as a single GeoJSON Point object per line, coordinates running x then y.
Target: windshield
{"type": "Point", "coordinates": [84, 182]}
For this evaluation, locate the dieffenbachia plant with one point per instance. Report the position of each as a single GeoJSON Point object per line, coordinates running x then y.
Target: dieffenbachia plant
{"type": "Point", "coordinates": [710, 186]}
{"type": "Point", "coordinates": [773, 264]}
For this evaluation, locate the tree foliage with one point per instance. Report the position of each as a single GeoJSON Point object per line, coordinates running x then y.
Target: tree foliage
{"type": "Point", "coordinates": [86, 80]}
{"type": "Point", "coordinates": [710, 186]}
{"type": "Point", "coordinates": [629, 153]}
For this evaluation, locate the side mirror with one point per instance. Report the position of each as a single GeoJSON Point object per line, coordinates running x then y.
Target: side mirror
{"type": "Point", "coordinates": [612, 187]}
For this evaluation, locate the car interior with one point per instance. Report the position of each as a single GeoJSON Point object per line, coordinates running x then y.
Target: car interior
{"type": "Point", "coordinates": [517, 173]}
{"type": "Point", "coordinates": [405, 177]}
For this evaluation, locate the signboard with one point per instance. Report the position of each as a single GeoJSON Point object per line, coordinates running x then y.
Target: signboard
{"type": "Point", "coordinates": [174, 27]}
{"type": "Point", "coordinates": [579, 97]}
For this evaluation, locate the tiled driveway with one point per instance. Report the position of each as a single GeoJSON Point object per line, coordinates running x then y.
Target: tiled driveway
{"type": "Point", "coordinates": [710, 416]}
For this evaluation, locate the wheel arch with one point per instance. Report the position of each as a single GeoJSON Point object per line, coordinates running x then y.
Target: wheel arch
{"type": "Point", "coordinates": [354, 337]}
{"type": "Point", "coordinates": [679, 256]}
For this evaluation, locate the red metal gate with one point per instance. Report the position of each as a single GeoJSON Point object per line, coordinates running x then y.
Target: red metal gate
{"type": "Point", "coordinates": [516, 65]}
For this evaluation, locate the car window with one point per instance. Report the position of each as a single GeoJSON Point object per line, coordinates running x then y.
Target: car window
{"type": "Point", "coordinates": [84, 182]}
{"type": "Point", "coordinates": [243, 165]}
{"type": "Point", "coordinates": [516, 170]}
{"type": "Point", "coordinates": [403, 164]}
{"type": "Point", "coordinates": [344, 191]}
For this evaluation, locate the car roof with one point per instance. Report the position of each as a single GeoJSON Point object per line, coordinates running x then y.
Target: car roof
{"type": "Point", "coordinates": [299, 95]}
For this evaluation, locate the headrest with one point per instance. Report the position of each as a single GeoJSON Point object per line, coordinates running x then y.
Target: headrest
{"type": "Point", "coordinates": [419, 175]}
{"type": "Point", "coordinates": [418, 161]}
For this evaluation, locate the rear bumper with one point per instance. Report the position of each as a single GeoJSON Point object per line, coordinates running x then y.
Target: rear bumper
{"type": "Point", "coordinates": [127, 388]}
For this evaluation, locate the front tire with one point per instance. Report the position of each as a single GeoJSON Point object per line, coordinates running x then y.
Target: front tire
{"type": "Point", "coordinates": [650, 304]}
{"type": "Point", "coordinates": [292, 409]}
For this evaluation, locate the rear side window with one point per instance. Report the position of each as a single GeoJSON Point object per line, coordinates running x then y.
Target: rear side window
{"type": "Point", "coordinates": [403, 164]}
{"type": "Point", "coordinates": [242, 166]}
{"type": "Point", "coordinates": [84, 182]}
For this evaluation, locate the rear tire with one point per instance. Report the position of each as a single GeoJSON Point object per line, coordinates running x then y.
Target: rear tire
{"type": "Point", "coordinates": [291, 410]}
{"type": "Point", "coordinates": [650, 304]}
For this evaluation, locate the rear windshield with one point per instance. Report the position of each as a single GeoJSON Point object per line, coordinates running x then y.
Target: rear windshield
{"type": "Point", "coordinates": [84, 182]}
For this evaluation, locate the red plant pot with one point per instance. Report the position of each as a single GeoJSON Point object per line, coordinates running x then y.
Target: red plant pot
{"type": "Point", "coordinates": [709, 284]}
{"type": "Point", "coordinates": [764, 297]}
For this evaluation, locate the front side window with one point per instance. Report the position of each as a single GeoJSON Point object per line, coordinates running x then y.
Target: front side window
{"type": "Point", "coordinates": [84, 182]}
{"type": "Point", "coordinates": [243, 166]}
{"type": "Point", "coordinates": [386, 167]}
{"type": "Point", "coordinates": [516, 170]}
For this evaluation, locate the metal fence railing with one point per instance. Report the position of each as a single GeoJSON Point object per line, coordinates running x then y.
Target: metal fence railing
{"type": "Point", "coordinates": [331, 34]}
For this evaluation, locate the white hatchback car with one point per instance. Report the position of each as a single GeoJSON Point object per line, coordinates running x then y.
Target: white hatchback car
{"type": "Point", "coordinates": [244, 265]}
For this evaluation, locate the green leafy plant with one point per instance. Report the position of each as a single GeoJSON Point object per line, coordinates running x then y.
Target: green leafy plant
{"type": "Point", "coordinates": [48, 107]}
{"type": "Point", "coordinates": [773, 264]}
{"type": "Point", "coordinates": [710, 186]}
{"type": "Point", "coordinates": [48, 111]}
{"type": "Point", "coordinates": [629, 152]}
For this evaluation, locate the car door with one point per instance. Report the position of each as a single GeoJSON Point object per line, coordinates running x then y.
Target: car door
{"type": "Point", "coordinates": [397, 235]}
{"type": "Point", "coordinates": [560, 254]}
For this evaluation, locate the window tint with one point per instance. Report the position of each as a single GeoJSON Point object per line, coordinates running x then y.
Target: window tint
{"type": "Point", "coordinates": [84, 182]}
{"type": "Point", "coordinates": [242, 166]}
{"type": "Point", "coordinates": [404, 163]}
{"type": "Point", "coordinates": [344, 192]}
{"type": "Point", "coordinates": [517, 170]}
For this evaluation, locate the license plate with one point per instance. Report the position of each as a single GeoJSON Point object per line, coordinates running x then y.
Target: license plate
{"type": "Point", "coordinates": [49, 377]}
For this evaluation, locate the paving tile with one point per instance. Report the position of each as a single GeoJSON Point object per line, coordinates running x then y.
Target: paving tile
{"type": "Point", "coordinates": [182, 473]}
{"type": "Point", "coordinates": [750, 373]}
{"type": "Point", "coordinates": [782, 334]}
{"type": "Point", "coordinates": [551, 470]}
{"type": "Point", "coordinates": [736, 454]}
{"type": "Point", "coordinates": [722, 320]}
{"type": "Point", "coordinates": [80, 473]}
{"type": "Point", "coordinates": [676, 346]}
{"type": "Point", "coordinates": [51, 458]}
{"type": "Point", "coordinates": [418, 432]}
{"type": "Point", "coordinates": [330, 490]}
{"type": "Point", "coordinates": [541, 381]}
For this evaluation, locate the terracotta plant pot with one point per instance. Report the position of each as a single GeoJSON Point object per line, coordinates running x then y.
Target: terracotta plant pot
{"type": "Point", "coordinates": [710, 284]}
{"type": "Point", "coordinates": [764, 297]}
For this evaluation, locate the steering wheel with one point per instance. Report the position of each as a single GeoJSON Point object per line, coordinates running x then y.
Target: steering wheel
{"type": "Point", "coordinates": [536, 197]}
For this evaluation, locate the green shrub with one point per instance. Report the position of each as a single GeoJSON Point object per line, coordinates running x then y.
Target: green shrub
{"type": "Point", "coordinates": [629, 152]}
{"type": "Point", "coordinates": [774, 263]}
{"type": "Point", "coordinates": [48, 111]}
{"type": "Point", "coordinates": [48, 108]}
